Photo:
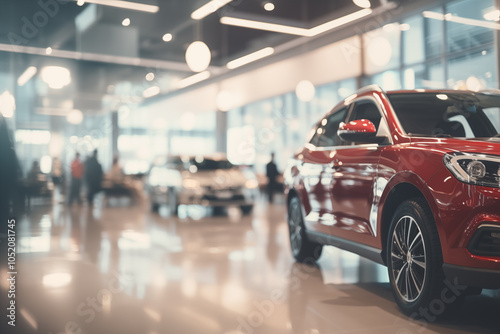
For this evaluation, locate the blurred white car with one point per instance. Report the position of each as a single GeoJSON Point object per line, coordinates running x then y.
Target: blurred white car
{"type": "Point", "coordinates": [207, 181]}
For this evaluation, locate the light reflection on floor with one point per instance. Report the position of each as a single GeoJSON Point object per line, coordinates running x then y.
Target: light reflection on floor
{"type": "Point", "coordinates": [125, 270]}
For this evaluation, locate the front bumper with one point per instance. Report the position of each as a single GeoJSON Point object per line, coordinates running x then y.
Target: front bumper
{"type": "Point", "coordinates": [474, 277]}
{"type": "Point", "coordinates": [463, 210]}
{"type": "Point", "coordinates": [220, 197]}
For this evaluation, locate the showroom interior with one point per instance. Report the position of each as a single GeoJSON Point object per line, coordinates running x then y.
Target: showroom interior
{"type": "Point", "coordinates": [147, 86]}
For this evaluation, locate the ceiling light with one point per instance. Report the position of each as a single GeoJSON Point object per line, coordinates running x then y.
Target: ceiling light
{"type": "Point", "coordinates": [274, 27]}
{"type": "Point", "coordinates": [198, 56]}
{"type": "Point", "coordinates": [80, 2]}
{"type": "Point", "coordinates": [56, 77]}
{"type": "Point", "coordinates": [379, 51]}
{"type": "Point", "coordinates": [48, 51]}
{"type": "Point", "coordinates": [250, 58]}
{"type": "Point", "coordinates": [126, 5]}
{"type": "Point", "coordinates": [75, 116]}
{"type": "Point", "coordinates": [150, 76]}
{"type": "Point", "coordinates": [26, 76]}
{"type": "Point", "coordinates": [404, 27]}
{"type": "Point", "coordinates": [305, 90]}
{"type": "Point", "coordinates": [7, 104]}
{"type": "Point", "coordinates": [492, 15]}
{"type": "Point", "coordinates": [126, 22]}
{"type": "Point", "coordinates": [339, 22]}
{"type": "Point", "coordinates": [442, 97]}
{"type": "Point", "coordinates": [208, 9]}
{"type": "Point", "coordinates": [193, 79]}
{"type": "Point", "coordinates": [362, 3]}
{"type": "Point", "coordinates": [473, 83]}
{"type": "Point", "coordinates": [224, 100]}
{"type": "Point", "coordinates": [167, 37]}
{"type": "Point", "coordinates": [269, 6]}
{"type": "Point", "coordinates": [259, 25]}
{"type": "Point", "coordinates": [151, 91]}
{"type": "Point", "coordinates": [433, 15]}
{"type": "Point", "coordinates": [462, 20]}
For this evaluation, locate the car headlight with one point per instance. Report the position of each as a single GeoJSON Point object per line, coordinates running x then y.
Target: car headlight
{"type": "Point", "coordinates": [481, 170]}
{"type": "Point", "coordinates": [251, 184]}
{"type": "Point", "coordinates": [190, 184]}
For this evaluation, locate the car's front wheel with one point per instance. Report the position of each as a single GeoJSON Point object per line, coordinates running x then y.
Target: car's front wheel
{"type": "Point", "coordinates": [303, 250]}
{"type": "Point", "coordinates": [414, 261]}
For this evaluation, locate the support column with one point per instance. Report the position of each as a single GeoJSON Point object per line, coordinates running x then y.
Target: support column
{"type": "Point", "coordinates": [221, 132]}
{"type": "Point", "coordinates": [115, 132]}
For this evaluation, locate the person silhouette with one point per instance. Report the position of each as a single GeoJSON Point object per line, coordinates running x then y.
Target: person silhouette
{"type": "Point", "coordinates": [271, 173]}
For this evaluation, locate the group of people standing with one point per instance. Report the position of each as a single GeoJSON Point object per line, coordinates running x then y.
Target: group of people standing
{"type": "Point", "coordinates": [90, 172]}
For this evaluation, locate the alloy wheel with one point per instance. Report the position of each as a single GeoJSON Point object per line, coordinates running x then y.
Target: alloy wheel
{"type": "Point", "coordinates": [408, 259]}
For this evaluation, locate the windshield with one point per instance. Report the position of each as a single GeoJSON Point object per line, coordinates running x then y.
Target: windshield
{"type": "Point", "coordinates": [450, 114]}
{"type": "Point", "coordinates": [209, 164]}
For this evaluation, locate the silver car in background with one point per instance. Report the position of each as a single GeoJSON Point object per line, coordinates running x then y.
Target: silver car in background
{"type": "Point", "coordinates": [207, 181]}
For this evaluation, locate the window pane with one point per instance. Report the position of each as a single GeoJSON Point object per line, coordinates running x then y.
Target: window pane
{"type": "Point", "coordinates": [366, 110]}
{"type": "Point", "coordinates": [462, 36]}
{"type": "Point", "coordinates": [413, 40]}
{"type": "Point", "coordinates": [474, 71]}
{"type": "Point", "coordinates": [382, 48]}
{"type": "Point", "coordinates": [388, 80]}
{"type": "Point", "coordinates": [326, 134]}
{"type": "Point", "coordinates": [434, 36]}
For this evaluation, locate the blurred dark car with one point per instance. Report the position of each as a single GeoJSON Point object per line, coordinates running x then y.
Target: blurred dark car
{"type": "Point", "coordinates": [207, 181]}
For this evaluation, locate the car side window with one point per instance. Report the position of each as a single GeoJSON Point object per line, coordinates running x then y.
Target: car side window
{"type": "Point", "coordinates": [326, 132]}
{"type": "Point", "coordinates": [366, 110]}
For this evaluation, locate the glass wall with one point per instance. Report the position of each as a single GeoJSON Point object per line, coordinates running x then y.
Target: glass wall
{"type": "Point", "coordinates": [448, 46]}
{"type": "Point", "coordinates": [279, 125]}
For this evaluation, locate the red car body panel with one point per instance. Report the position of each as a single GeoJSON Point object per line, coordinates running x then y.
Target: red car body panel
{"type": "Point", "coordinates": [344, 191]}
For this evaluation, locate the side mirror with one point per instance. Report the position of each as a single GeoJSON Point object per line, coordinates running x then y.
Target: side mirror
{"type": "Point", "coordinates": [357, 131]}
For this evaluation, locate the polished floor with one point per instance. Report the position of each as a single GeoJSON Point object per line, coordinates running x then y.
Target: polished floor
{"type": "Point", "coordinates": [121, 269]}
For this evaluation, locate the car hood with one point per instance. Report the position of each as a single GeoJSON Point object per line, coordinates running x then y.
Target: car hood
{"type": "Point", "coordinates": [447, 145]}
{"type": "Point", "coordinates": [219, 178]}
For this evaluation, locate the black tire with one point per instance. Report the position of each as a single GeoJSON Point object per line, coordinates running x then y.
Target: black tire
{"type": "Point", "coordinates": [246, 209]}
{"type": "Point", "coordinates": [155, 207]}
{"type": "Point", "coordinates": [414, 262]}
{"type": "Point", "coordinates": [219, 210]}
{"type": "Point", "coordinates": [303, 250]}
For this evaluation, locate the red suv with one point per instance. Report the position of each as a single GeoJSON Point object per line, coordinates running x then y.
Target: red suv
{"type": "Point", "coordinates": [411, 180]}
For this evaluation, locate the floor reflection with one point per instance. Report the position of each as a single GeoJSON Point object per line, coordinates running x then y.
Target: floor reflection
{"type": "Point", "coordinates": [125, 270]}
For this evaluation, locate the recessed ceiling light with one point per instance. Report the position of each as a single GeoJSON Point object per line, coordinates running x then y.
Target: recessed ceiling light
{"type": "Point", "coordinates": [56, 77]}
{"type": "Point", "coordinates": [198, 56]}
{"type": "Point", "coordinates": [151, 91]}
{"type": "Point", "coordinates": [80, 2]}
{"type": "Point", "coordinates": [167, 37]}
{"type": "Point", "coordinates": [362, 3]}
{"type": "Point", "coordinates": [492, 15]}
{"type": "Point", "coordinates": [250, 58]}
{"type": "Point", "coordinates": [208, 8]}
{"type": "Point", "coordinates": [285, 29]}
{"type": "Point", "coordinates": [269, 6]}
{"type": "Point", "coordinates": [404, 27]}
{"type": "Point", "coordinates": [48, 51]}
{"type": "Point", "coordinates": [126, 5]}
{"type": "Point", "coordinates": [26, 76]}
{"type": "Point", "coordinates": [150, 76]}
{"type": "Point", "coordinates": [126, 22]}
{"type": "Point", "coordinates": [193, 79]}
